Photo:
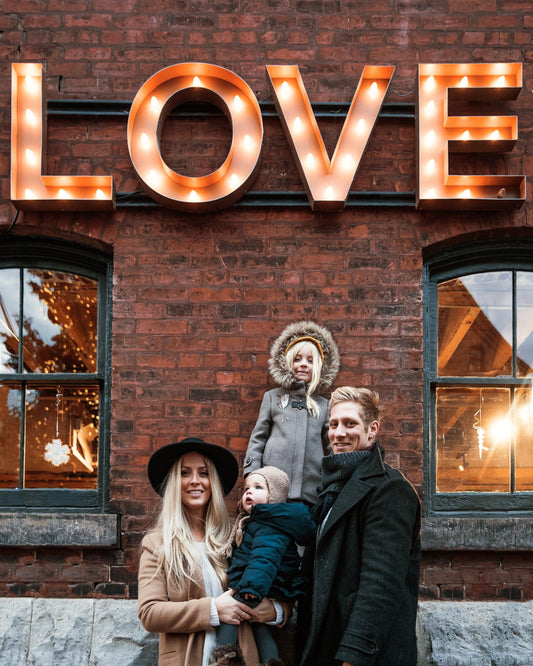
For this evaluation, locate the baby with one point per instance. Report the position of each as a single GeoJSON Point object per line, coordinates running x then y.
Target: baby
{"type": "Point", "coordinates": [264, 559]}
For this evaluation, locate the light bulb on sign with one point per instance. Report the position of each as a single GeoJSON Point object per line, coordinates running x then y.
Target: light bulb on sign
{"type": "Point", "coordinates": [145, 141]}
{"type": "Point", "coordinates": [30, 117]}
{"type": "Point", "coordinates": [495, 135]}
{"type": "Point", "coordinates": [430, 107]}
{"type": "Point", "coordinates": [285, 89]}
{"type": "Point", "coordinates": [373, 89]}
{"type": "Point", "coordinates": [429, 83]}
{"type": "Point", "coordinates": [310, 160]}
{"type": "Point", "coordinates": [196, 82]}
{"type": "Point", "coordinates": [30, 156]}
{"type": "Point", "coordinates": [361, 126]}
{"type": "Point", "coordinates": [463, 83]}
{"type": "Point", "coordinates": [193, 195]}
{"type": "Point", "coordinates": [237, 103]}
{"type": "Point", "coordinates": [466, 135]}
{"type": "Point", "coordinates": [297, 125]}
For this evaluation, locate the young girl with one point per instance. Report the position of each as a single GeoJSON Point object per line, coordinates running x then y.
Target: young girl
{"type": "Point", "coordinates": [264, 558]}
{"type": "Point", "coordinates": [292, 426]}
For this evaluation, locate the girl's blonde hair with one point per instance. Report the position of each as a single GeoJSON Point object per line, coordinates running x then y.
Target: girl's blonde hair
{"type": "Point", "coordinates": [316, 371]}
{"type": "Point", "coordinates": [179, 550]}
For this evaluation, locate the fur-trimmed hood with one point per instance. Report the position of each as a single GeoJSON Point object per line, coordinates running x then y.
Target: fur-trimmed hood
{"type": "Point", "coordinates": [277, 365]}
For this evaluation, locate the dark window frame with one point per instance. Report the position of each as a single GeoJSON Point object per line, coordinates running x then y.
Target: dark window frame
{"type": "Point", "coordinates": [52, 254]}
{"type": "Point", "coordinates": [482, 256]}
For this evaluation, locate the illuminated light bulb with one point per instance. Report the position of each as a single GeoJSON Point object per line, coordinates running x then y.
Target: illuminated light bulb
{"type": "Point", "coordinates": [430, 194]}
{"type": "Point", "coordinates": [100, 194]}
{"type": "Point", "coordinates": [361, 126]}
{"type": "Point", "coordinates": [63, 194]}
{"type": "Point", "coordinates": [373, 89]}
{"type": "Point", "coordinates": [430, 107]}
{"type": "Point", "coordinates": [155, 105]}
{"type": "Point", "coordinates": [466, 135]}
{"type": "Point", "coordinates": [237, 103]}
{"type": "Point", "coordinates": [145, 141]}
{"type": "Point", "coordinates": [495, 135]}
{"type": "Point", "coordinates": [297, 125]}
{"type": "Point", "coordinates": [467, 193]}
{"type": "Point", "coordinates": [285, 89]}
{"type": "Point", "coordinates": [430, 83]}
{"type": "Point", "coordinates": [196, 83]}
{"type": "Point", "coordinates": [461, 468]}
{"type": "Point", "coordinates": [248, 143]}
{"type": "Point", "coordinates": [30, 156]}
{"type": "Point", "coordinates": [430, 166]}
{"type": "Point", "coordinates": [501, 81]}
{"type": "Point", "coordinates": [30, 117]}
{"type": "Point", "coordinates": [430, 138]}
{"type": "Point", "coordinates": [463, 83]}
{"type": "Point", "coordinates": [28, 194]}
{"type": "Point", "coordinates": [154, 177]}
{"type": "Point", "coordinates": [329, 192]}
{"type": "Point", "coordinates": [193, 195]}
{"type": "Point", "coordinates": [348, 161]}
{"type": "Point", "coordinates": [310, 160]}
{"type": "Point", "coordinates": [234, 180]}
{"type": "Point", "coordinates": [31, 83]}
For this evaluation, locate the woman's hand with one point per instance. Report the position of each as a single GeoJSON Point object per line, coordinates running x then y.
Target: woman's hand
{"type": "Point", "coordinates": [230, 610]}
{"type": "Point", "coordinates": [263, 612]}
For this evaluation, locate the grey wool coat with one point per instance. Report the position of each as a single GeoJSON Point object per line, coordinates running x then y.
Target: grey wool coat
{"type": "Point", "coordinates": [365, 564]}
{"type": "Point", "coordinates": [289, 437]}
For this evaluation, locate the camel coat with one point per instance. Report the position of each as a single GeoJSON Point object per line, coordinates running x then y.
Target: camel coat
{"type": "Point", "coordinates": [180, 618]}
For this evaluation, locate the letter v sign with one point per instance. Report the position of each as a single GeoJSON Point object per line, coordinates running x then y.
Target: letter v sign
{"type": "Point", "coordinates": [327, 181]}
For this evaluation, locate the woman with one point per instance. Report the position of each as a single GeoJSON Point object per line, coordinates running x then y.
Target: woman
{"type": "Point", "coordinates": [182, 573]}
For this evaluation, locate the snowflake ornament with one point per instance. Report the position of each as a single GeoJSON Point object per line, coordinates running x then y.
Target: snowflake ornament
{"type": "Point", "coordinates": [56, 452]}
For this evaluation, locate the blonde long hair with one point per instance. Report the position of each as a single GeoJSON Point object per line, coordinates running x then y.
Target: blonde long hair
{"type": "Point", "coordinates": [316, 371]}
{"type": "Point", "coordinates": [179, 550]}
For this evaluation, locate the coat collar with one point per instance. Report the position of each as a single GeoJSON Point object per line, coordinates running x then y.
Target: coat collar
{"type": "Point", "coordinates": [356, 488]}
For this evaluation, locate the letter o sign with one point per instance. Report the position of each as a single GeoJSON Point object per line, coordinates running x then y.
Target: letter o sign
{"type": "Point", "coordinates": [162, 93]}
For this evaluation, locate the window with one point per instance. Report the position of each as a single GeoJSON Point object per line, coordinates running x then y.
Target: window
{"type": "Point", "coordinates": [54, 371]}
{"type": "Point", "coordinates": [478, 378]}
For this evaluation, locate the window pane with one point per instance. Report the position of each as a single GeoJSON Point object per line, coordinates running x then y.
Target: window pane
{"type": "Point", "coordinates": [524, 439]}
{"type": "Point", "coordinates": [9, 437]}
{"type": "Point", "coordinates": [9, 319]}
{"type": "Point", "coordinates": [473, 440]}
{"type": "Point", "coordinates": [475, 326]}
{"type": "Point", "coordinates": [61, 437]}
{"type": "Point", "coordinates": [60, 322]}
{"type": "Point", "coordinates": [524, 323]}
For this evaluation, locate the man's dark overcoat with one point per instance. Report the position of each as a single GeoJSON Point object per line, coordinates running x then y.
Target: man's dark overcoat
{"type": "Point", "coordinates": [366, 570]}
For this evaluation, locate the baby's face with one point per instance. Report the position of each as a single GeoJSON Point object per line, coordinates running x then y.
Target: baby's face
{"type": "Point", "coordinates": [255, 492]}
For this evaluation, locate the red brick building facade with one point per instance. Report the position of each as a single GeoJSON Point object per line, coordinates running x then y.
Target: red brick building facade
{"type": "Point", "coordinates": [197, 298]}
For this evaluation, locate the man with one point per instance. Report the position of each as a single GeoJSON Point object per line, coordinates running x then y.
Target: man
{"type": "Point", "coordinates": [367, 550]}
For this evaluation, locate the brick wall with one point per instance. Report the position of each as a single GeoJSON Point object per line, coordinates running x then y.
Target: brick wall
{"type": "Point", "coordinates": [198, 299]}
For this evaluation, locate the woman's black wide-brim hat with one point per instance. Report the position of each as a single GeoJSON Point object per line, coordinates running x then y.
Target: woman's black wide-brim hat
{"type": "Point", "coordinates": [162, 460]}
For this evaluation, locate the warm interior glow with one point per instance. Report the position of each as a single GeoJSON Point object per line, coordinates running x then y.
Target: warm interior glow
{"type": "Point", "coordinates": [196, 82]}
{"type": "Point", "coordinates": [430, 137]}
{"type": "Point", "coordinates": [463, 83]}
{"type": "Point", "coordinates": [100, 194]}
{"type": "Point", "coordinates": [310, 160]}
{"type": "Point", "coordinates": [465, 135]}
{"type": "Point", "coordinates": [374, 89]}
{"type": "Point", "coordinates": [285, 89]}
{"type": "Point", "coordinates": [467, 193]}
{"type": "Point", "coordinates": [145, 141]}
{"type": "Point", "coordinates": [430, 107]}
{"type": "Point", "coordinates": [297, 125]}
{"type": "Point", "coordinates": [237, 103]}
{"type": "Point", "coordinates": [31, 118]}
{"type": "Point", "coordinates": [495, 135]}
{"type": "Point", "coordinates": [193, 195]}
{"type": "Point", "coordinates": [430, 166]}
{"type": "Point", "coordinates": [430, 83]}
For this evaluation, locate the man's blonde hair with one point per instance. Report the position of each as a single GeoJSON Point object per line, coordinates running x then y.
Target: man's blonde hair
{"type": "Point", "coordinates": [368, 399]}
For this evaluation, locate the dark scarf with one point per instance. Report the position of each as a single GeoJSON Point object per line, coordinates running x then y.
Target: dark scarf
{"type": "Point", "coordinates": [337, 468]}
